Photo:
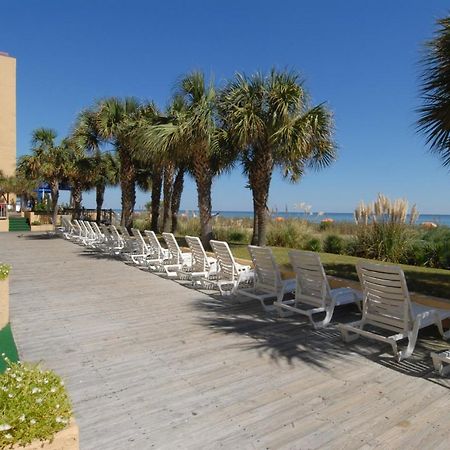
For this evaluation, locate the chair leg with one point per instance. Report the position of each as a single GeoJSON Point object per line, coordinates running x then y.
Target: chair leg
{"type": "Point", "coordinates": [327, 319]}
{"type": "Point", "coordinates": [412, 339]}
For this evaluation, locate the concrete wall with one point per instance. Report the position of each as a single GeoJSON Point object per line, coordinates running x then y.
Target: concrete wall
{"type": "Point", "coordinates": [7, 114]}
{"type": "Point", "coordinates": [4, 225]}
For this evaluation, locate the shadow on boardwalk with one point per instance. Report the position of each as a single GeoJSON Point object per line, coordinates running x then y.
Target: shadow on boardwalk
{"type": "Point", "coordinates": [293, 339]}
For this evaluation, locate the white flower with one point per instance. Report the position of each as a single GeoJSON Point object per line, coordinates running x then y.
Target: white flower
{"type": "Point", "coordinates": [39, 400]}
{"type": "Point", "coordinates": [58, 419]}
{"type": "Point", "coordinates": [53, 389]}
{"type": "Point", "coordinates": [19, 379]}
{"type": "Point", "coordinates": [8, 436]}
{"type": "Point", "coordinates": [5, 427]}
{"type": "Point", "coordinates": [22, 418]}
{"type": "Point", "coordinates": [45, 381]}
{"type": "Point", "coordinates": [10, 395]}
{"type": "Point", "coordinates": [4, 389]}
{"type": "Point", "coordinates": [35, 390]}
{"type": "Point", "coordinates": [57, 406]}
{"type": "Point", "coordinates": [32, 421]}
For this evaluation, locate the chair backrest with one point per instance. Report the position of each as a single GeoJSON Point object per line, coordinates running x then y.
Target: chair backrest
{"type": "Point", "coordinates": [200, 261]}
{"type": "Point", "coordinates": [140, 240]}
{"type": "Point", "coordinates": [225, 260]}
{"type": "Point", "coordinates": [386, 301]}
{"type": "Point", "coordinates": [174, 248]}
{"type": "Point", "coordinates": [97, 229]}
{"type": "Point", "coordinates": [154, 243]}
{"type": "Point", "coordinates": [116, 236]}
{"type": "Point", "coordinates": [267, 272]}
{"type": "Point", "coordinates": [312, 283]}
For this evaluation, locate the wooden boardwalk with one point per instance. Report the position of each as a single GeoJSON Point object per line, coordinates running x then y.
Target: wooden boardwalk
{"type": "Point", "coordinates": [150, 363]}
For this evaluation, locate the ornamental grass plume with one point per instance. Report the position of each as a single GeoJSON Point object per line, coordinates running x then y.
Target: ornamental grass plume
{"type": "Point", "coordinates": [382, 232]}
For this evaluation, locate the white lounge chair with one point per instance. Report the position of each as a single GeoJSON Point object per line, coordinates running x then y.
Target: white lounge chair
{"type": "Point", "coordinates": [267, 282]}
{"type": "Point", "coordinates": [159, 254]}
{"type": "Point", "coordinates": [441, 362]}
{"type": "Point", "coordinates": [201, 264]}
{"type": "Point", "coordinates": [141, 250]}
{"type": "Point", "coordinates": [230, 274]}
{"type": "Point", "coordinates": [388, 307]}
{"type": "Point", "coordinates": [313, 294]}
{"type": "Point", "coordinates": [176, 258]}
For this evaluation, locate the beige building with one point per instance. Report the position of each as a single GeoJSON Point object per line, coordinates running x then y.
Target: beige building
{"type": "Point", "coordinates": [7, 127]}
{"type": "Point", "coordinates": [7, 114]}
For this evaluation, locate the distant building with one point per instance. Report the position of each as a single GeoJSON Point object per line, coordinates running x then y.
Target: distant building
{"type": "Point", "coordinates": [7, 130]}
{"type": "Point", "coordinates": [7, 114]}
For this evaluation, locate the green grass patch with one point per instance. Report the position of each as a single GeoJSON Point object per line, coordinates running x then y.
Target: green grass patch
{"type": "Point", "coordinates": [435, 282]}
{"type": "Point", "coordinates": [7, 346]}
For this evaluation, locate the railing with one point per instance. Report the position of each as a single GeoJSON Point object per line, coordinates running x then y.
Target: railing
{"type": "Point", "coordinates": [91, 214]}
{"type": "Point", "coordinates": [3, 210]}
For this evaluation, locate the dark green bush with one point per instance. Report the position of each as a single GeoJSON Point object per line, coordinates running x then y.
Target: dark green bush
{"type": "Point", "coordinates": [334, 244]}
{"type": "Point", "coordinates": [314, 245]}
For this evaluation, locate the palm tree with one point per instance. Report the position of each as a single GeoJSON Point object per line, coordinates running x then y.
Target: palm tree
{"type": "Point", "coordinates": [106, 169]}
{"type": "Point", "coordinates": [434, 120]}
{"type": "Point", "coordinates": [116, 121]}
{"type": "Point", "coordinates": [103, 166]}
{"type": "Point", "coordinates": [192, 134]}
{"type": "Point", "coordinates": [48, 162]}
{"type": "Point", "coordinates": [269, 121]}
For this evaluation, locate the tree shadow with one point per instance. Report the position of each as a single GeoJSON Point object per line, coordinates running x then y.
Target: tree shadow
{"type": "Point", "coordinates": [292, 339]}
{"type": "Point", "coordinates": [40, 236]}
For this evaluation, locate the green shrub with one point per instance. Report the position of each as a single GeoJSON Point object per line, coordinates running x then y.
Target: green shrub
{"type": "Point", "coordinates": [325, 226]}
{"type": "Point", "coordinates": [4, 271]}
{"type": "Point", "coordinates": [436, 248]}
{"type": "Point", "coordinates": [238, 236]}
{"type": "Point", "coordinates": [287, 234]}
{"type": "Point", "coordinates": [34, 404]}
{"type": "Point", "coordinates": [334, 244]}
{"type": "Point", "coordinates": [313, 244]}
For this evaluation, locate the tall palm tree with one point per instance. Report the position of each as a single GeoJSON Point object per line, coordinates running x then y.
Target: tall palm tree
{"type": "Point", "coordinates": [117, 120]}
{"type": "Point", "coordinates": [270, 122]}
{"type": "Point", "coordinates": [103, 166]}
{"type": "Point", "coordinates": [193, 134]}
{"type": "Point", "coordinates": [434, 120]}
{"type": "Point", "coordinates": [48, 162]}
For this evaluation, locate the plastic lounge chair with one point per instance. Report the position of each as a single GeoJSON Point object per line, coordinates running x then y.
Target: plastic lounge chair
{"type": "Point", "coordinates": [229, 275]}
{"type": "Point", "coordinates": [141, 250]}
{"type": "Point", "coordinates": [441, 362]}
{"type": "Point", "coordinates": [159, 254]}
{"type": "Point", "coordinates": [388, 307]}
{"type": "Point", "coordinates": [201, 264]}
{"type": "Point", "coordinates": [267, 282]}
{"type": "Point", "coordinates": [176, 258]}
{"type": "Point", "coordinates": [313, 294]}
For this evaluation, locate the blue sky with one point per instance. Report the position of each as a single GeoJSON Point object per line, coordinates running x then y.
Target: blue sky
{"type": "Point", "coordinates": [362, 58]}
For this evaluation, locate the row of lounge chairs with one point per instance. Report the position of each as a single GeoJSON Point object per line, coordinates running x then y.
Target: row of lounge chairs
{"type": "Point", "coordinates": [385, 303]}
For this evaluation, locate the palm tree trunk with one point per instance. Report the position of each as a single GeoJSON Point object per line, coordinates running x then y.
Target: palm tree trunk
{"type": "Point", "coordinates": [203, 179]}
{"type": "Point", "coordinates": [156, 196]}
{"type": "Point", "coordinates": [99, 198]}
{"type": "Point", "coordinates": [54, 186]}
{"type": "Point", "coordinates": [259, 180]}
{"type": "Point", "coordinates": [167, 193]}
{"type": "Point", "coordinates": [128, 186]}
{"type": "Point", "coordinates": [176, 198]}
{"type": "Point", "coordinates": [77, 197]}
{"type": "Point", "coordinates": [255, 223]}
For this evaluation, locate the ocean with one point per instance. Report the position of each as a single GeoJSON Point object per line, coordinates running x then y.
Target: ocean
{"type": "Point", "coordinates": [439, 219]}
